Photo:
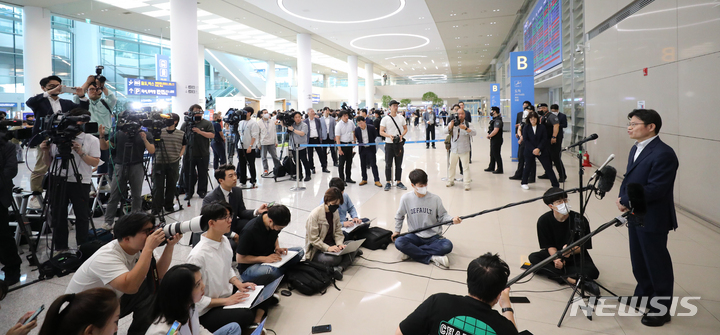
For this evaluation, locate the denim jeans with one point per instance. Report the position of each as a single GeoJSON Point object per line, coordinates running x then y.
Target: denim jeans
{"type": "Point", "coordinates": [422, 249]}
{"type": "Point", "coordinates": [229, 329]}
{"type": "Point", "coordinates": [257, 270]}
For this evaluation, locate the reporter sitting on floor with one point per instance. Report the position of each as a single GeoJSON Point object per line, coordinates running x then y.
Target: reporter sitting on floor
{"type": "Point", "coordinates": [214, 257]}
{"type": "Point", "coordinates": [95, 311]}
{"type": "Point", "coordinates": [120, 265]}
{"type": "Point", "coordinates": [180, 290]}
{"type": "Point", "coordinates": [346, 206]}
{"type": "Point", "coordinates": [554, 230]}
{"type": "Point", "coordinates": [259, 244]}
{"type": "Point", "coordinates": [444, 313]}
{"type": "Point", "coordinates": [423, 209]}
{"type": "Point", "coordinates": [324, 234]}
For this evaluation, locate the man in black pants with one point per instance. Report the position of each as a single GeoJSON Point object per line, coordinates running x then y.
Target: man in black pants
{"type": "Point", "coordinates": [366, 133]}
{"type": "Point", "coordinates": [429, 120]}
{"type": "Point", "coordinates": [555, 231]}
{"type": "Point", "coordinates": [317, 131]}
{"type": "Point", "coordinates": [329, 138]}
{"type": "Point", "coordinates": [393, 128]}
{"type": "Point", "coordinates": [345, 134]}
{"type": "Point", "coordinates": [199, 148]}
{"type": "Point", "coordinates": [555, 122]}
{"type": "Point", "coordinates": [218, 143]}
{"type": "Point", "coordinates": [495, 133]}
{"type": "Point", "coordinates": [167, 166]}
{"type": "Point", "coordinates": [519, 124]}
{"type": "Point", "coordinates": [8, 249]}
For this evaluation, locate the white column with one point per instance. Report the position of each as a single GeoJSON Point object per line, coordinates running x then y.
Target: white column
{"type": "Point", "coordinates": [202, 90]}
{"type": "Point", "coordinates": [304, 72]}
{"type": "Point", "coordinates": [184, 55]}
{"type": "Point", "coordinates": [270, 94]}
{"type": "Point", "coordinates": [369, 86]}
{"type": "Point", "coordinates": [87, 37]}
{"type": "Point", "coordinates": [37, 53]}
{"type": "Point", "coordinates": [353, 81]}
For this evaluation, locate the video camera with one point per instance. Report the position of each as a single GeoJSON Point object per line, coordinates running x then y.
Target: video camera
{"type": "Point", "coordinates": [156, 121]}
{"type": "Point", "coordinates": [286, 118]}
{"type": "Point", "coordinates": [233, 116]}
{"type": "Point", "coordinates": [130, 122]}
{"type": "Point", "coordinates": [19, 134]}
{"type": "Point", "coordinates": [62, 129]}
{"type": "Point", "coordinates": [348, 109]}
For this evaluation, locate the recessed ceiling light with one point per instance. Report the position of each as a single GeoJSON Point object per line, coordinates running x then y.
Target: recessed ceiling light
{"type": "Point", "coordinates": [405, 62]}
{"type": "Point", "coordinates": [433, 61]}
{"type": "Point", "coordinates": [419, 62]}
{"type": "Point", "coordinates": [487, 43]}
{"type": "Point", "coordinates": [392, 63]}
{"type": "Point", "coordinates": [420, 18]}
{"type": "Point", "coordinates": [493, 22]}
{"type": "Point", "coordinates": [413, 68]}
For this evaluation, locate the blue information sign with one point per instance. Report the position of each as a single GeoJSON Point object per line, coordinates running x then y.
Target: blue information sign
{"type": "Point", "coordinates": [316, 98]}
{"type": "Point", "coordinates": [8, 104]}
{"type": "Point", "coordinates": [522, 87]}
{"type": "Point", "coordinates": [150, 87]}
{"type": "Point", "coordinates": [162, 67]}
{"type": "Point", "coordinates": [494, 95]}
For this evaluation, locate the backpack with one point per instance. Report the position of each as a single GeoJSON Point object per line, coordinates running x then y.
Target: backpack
{"type": "Point", "coordinates": [376, 238]}
{"type": "Point", "coordinates": [310, 277]}
{"type": "Point", "coordinates": [288, 165]}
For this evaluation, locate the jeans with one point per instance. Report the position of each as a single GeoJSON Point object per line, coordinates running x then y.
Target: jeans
{"type": "Point", "coordinates": [218, 148]}
{"type": "Point", "coordinates": [246, 162]}
{"type": "Point", "coordinates": [273, 154]}
{"type": "Point", "coordinates": [229, 329]}
{"type": "Point", "coordinates": [132, 174]}
{"type": "Point", "coordinates": [165, 177]}
{"type": "Point", "coordinates": [390, 156]}
{"type": "Point", "coordinates": [422, 249]}
{"type": "Point", "coordinates": [257, 270]}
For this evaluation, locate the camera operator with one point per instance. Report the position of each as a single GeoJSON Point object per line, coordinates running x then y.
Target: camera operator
{"type": "Point", "coordinates": [218, 142]}
{"type": "Point", "coordinates": [86, 150]}
{"type": "Point", "coordinates": [199, 148]}
{"type": "Point", "coordinates": [268, 141]}
{"type": "Point", "coordinates": [167, 166]}
{"type": "Point", "coordinates": [128, 153]}
{"type": "Point", "coordinates": [247, 147]}
{"type": "Point", "coordinates": [101, 111]}
{"type": "Point", "coordinates": [299, 132]}
{"type": "Point", "coordinates": [8, 249]}
{"type": "Point", "coordinates": [460, 135]}
{"type": "Point", "coordinates": [394, 141]}
{"type": "Point", "coordinates": [329, 138]}
{"type": "Point", "coordinates": [42, 105]}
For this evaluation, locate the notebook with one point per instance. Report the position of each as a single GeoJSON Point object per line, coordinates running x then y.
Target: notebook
{"type": "Point", "coordinates": [285, 258]}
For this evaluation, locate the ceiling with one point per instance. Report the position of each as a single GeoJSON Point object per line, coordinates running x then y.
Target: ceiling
{"type": "Point", "coordinates": [406, 38]}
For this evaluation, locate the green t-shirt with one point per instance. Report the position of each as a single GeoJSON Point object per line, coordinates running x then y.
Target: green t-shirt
{"type": "Point", "coordinates": [200, 146]}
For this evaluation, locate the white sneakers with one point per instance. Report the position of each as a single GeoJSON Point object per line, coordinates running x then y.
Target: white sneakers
{"type": "Point", "coordinates": [525, 187]}
{"type": "Point", "coordinates": [450, 184]}
{"type": "Point", "coordinates": [404, 257]}
{"type": "Point", "coordinates": [34, 203]}
{"type": "Point", "coordinates": [441, 261]}
{"type": "Point", "coordinates": [467, 187]}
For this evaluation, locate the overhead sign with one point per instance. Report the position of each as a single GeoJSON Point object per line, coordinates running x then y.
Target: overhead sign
{"type": "Point", "coordinates": [8, 104]}
{"type": "Point", "coordinates": [522, 87]}
{"type": "Point", "coordinates": [494, 95]}
{"type": "Point", "coordinates": [150, 87]}
{"type": "Point", "coordinates": [316, 98]}
{"type": "Point", "coordinates": [162, 67]}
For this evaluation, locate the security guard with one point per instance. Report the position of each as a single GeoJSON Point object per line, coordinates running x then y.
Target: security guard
{"type": "Point", "coordinates": [495, 133]}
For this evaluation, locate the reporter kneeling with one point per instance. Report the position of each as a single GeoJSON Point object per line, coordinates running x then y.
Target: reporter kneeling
{"type": "Point", "coordinates": [182, 288]}
{"type": "Point", "coordinates": [324, 234]}
{"type": "Point", "coordinates": [95, 311]}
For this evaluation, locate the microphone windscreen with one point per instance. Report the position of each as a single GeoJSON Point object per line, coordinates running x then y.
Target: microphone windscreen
{"type": "Point", "coordinates": [636, 196]}
{"type": "Point", "coordinates": [607, 178]}
{"type": "Point", "coordinates": [593, 137]}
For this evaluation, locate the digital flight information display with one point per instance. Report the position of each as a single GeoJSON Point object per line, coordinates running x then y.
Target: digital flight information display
{"type": "Point", "coordinates": [543, 34]}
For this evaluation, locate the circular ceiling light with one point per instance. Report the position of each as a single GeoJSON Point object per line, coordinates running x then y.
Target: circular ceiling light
{"type": "Point", "coordinates": [426, 77]}
{"type": "Point", "coordinates": [284, 9]}
{"type": "Point", "coordinates": [426, 42]}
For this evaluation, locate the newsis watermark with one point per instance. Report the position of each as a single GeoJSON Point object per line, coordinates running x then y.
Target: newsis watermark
{"type": "Point", "coordinates": [626, 306]}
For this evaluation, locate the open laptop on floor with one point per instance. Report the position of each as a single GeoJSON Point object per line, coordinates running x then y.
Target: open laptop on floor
{"type": "Point", "coordinates": [351, 247]}
{"type": "Point", "coordinates": [260, 294]}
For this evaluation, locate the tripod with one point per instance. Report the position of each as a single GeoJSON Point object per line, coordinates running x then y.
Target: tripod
{"type": "Point", "coordinates": [160, 147]}
{"type": "Point", "coordinates": [188, 162]}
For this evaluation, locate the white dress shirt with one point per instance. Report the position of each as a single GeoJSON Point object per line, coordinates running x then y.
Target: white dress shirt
{"type": "Point", "coordinates": [641, 145]}
{"type": "Point", "coordinates": [345, 131]}
{"type": "Point", "coordinates": [364, 135]}
{"type": "Point", "coordinates": [213, 258]}
{"type": "Point", "coordinates": [313, 128]}
{"type": "Point", "coordinates": [54, 103]}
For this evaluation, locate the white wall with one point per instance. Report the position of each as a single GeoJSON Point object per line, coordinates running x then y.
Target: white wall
{"type": "Point", "coordinates": [679, 42]}
{"type": "Point", "coordinates": [443, 91]}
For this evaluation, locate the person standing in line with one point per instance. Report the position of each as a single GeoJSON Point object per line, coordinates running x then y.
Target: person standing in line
{"type": "Point", "coordinates": [218, 143]}
{"type": "Point", "coordinates": [298, 132]}
{"type": "Point", "coordinates": [495, 134]}
{"type": "Point", "coordinates": [429, 120]}
{"type": "Point", "coordinates": [390, 128]}
{"type": "Point", "coordinates": [345, 134]}
{"type": "Point", "coordinates": [364, 134]}
{"type": "Point", "coordinates": [247, 148]}
{"type": "Point", "coordinates": [317, 132]}
{"type": "Point", "coordinates": [268, 141]}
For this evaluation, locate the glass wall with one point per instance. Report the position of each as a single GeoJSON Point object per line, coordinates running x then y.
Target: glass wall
{"type": "Point", "coordinates": [11, 49]}
{"type": "Point", "coordinates": [62, 49]}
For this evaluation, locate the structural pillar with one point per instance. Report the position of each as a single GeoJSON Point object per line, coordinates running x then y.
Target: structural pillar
{"type": "Point", "coordinates": [270, 91]}
{"type": "Point", "coordinates": [87, 37]}
{"type": "Point", "coordinates": [304, 72]}
{"type": "Point", "coordinates": [184, 56]}
{"type": "Point", "coordinates": [37, 48]}
{"type": "Point", "coordinates": [369, 86]}
{"type": "Point", "coordinates": [202, 90]}
{"type": "Point", "coordinates": [353, 81]}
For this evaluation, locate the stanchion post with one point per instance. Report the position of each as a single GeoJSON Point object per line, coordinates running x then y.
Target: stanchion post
{"type": "Point", "coordinates": [297, 186]}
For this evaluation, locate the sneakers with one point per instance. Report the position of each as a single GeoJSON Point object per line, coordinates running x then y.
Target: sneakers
{"type": "Point", "coordinates": [450, 184]}
{"type": "Point", "coordinates": [387, 187]}
{"type": "Point", "coordinates": [363, 182]}
{"type": "Point", "coordinates": [265, 174]}
{"type": "Point", "coordinates": [467, 187]}
{"type": "Point", "coordinates": [525, 187]}
{"type": "Point", "coordinates": [401, 186]}
{"type": "Point", "coordinates": [441, 261]}
{"type": "Point", "coordinates": [404, 257]}
{"type": "Point", "coordinates": [378, 184]}
{"type": "Point", "coordinates": [34, 203]}
{"type": "Point", "coordinates": [337, 273]}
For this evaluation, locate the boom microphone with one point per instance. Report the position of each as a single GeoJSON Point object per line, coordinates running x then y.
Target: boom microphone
{"type": "Point", "coordinates": [583, 141]}
{"type": "Point", "coordinates": [636, 196]}
{"type": "Point", "coordinates": [607, 180]}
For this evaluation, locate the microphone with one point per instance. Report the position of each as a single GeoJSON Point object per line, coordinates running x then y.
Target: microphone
{"type": "Point", "coordinates": [583, 141]}
{"type": "Point", "coordinates": [607, 161]}
{"type": "Point", "coordinates": [607, 180]}
{"type": "Point", "coordinates": [636, 196]}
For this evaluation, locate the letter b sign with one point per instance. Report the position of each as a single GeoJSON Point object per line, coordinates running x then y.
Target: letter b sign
{"type": "Point", "coordinates": [494, 88]}
{"type": "Point", "coordinates": [521, 63]}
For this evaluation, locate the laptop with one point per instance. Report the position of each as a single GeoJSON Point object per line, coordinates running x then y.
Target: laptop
{"type": "Point", "coordinates": [260, 327]}
{"type": "Point", "coordinates": [351, 247]}
{"type": "Point", "coordinates": [267, 292]}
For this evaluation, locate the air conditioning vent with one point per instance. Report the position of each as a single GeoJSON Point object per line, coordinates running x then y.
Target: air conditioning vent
{"type": "Point", "coordinates": [623, 14]}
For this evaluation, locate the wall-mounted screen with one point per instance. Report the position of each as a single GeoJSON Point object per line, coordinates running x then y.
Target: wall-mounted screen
{"type": "Point", "coordinates": [543, 34]}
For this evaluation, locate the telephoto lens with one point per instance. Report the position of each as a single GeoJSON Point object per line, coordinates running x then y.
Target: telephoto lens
{"type": "Point", "coordinates": [198, 224]}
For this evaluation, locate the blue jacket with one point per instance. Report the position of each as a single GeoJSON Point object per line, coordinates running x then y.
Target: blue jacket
{"type": "Point", "coordinates": [655, 169]}
{"type": "Point", "coordinates": [347, 208]}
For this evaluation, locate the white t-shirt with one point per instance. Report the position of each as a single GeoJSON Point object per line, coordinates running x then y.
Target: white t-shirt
{"type": "Point", "coordinates": [90, 146]}
{"type": "Point", "coordinates": [108, 263]}
{"type": "Point", "coordinates": [214, 259]}
{"type": "Point", "coordinates": [390, 126]}
{"type": "Point", "coordinates": [345, 131]}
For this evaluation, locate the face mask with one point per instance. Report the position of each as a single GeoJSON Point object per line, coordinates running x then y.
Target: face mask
{"type": "Point", "coordinates": [421, 190]}
{"type": "Point", "coordinates": [333, 208]}
{"type": "Point", "coordinates": [563, 208]}
{"type": "Point", "coordinates": [266, 116]}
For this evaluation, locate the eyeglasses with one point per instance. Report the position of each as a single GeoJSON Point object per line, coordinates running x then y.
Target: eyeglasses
{"type": "Point", "coordinates": [229, 217]}
{"type": "Point", "coordinates": [148, 231]}
{"type": "Point", "coordinates": [633, 124]}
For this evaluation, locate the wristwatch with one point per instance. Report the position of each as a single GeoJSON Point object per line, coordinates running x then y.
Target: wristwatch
{"type": "Point", "coordinates": [508, 309]}
{"type": "Point", "coordinates": [554, 137]}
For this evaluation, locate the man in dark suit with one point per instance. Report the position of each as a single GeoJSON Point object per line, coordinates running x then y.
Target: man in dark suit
{"type": "Point", "coordinates": [366, 133]}
{"type": "Point", "coordinates": [652, 164]}
{"type": "Point", "coordinates": [329, 124]}
{"type": "Point", "coordinates": [317, 132]}
{"type": "Point", "coordinates": [8, 249]}
{"type": "Point", "coordinates": [228, 191]}
{"type": "Point", "coordinates": [42, 105]}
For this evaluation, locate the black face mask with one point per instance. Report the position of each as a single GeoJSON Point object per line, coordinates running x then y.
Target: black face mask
{"type": "Point", "coordinates": [333, 208]}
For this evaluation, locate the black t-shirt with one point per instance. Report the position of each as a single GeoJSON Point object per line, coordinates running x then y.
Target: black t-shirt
{"type": "Point", "coordinates": [256, 240]}
{"type": "Point", "coordinates": [201, 144]}
{"type": "Point", "coordinates": [136, 153]}
{"type": "Point", "coordinates": [376, 123]}
{"type": "Point", "coordinates": [444, 313]}
{"type": "Point", "coordinates": [554, 234]}
{"type": "Point", "coordinates": [218, 131]}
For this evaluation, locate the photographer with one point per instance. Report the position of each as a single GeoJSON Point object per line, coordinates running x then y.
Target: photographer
{"type": "Point", "coordinates": [101, 111]}
{"type": "Point", "coordinates": [460, 135]}
{"type": "Point", "coordinates": [8, 249]}
{"type": "Point", "coordinates": [218, 142]}
{"type": "Point", "coordinates": [86, 153]}
{"type": "Point", "coordinates": [196, 166]}
{"type": "Point", "coordinates": [298, 137]}
{"type": "Point", "coordinates": [268, 141]}
{"type": "Point", "coordinates": [394, 141]}
{"type": "Point", "coordinates": [127, 266]}
{"type": "Point", "coordinates": [42, 105]}
{"type": "Point", "coordinates": [247, 148]}
{"type": "Point", "coordinates": [167, 166]}
{"type": "Point", "coordinates": [128, 145]}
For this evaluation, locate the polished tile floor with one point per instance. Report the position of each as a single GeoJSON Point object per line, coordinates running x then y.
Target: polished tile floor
{"type": "Point", "coordinates": [374, 296]}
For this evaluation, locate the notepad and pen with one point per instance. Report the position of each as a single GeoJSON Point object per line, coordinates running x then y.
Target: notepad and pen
{"type": "Point", "coordinates": [284, 259]}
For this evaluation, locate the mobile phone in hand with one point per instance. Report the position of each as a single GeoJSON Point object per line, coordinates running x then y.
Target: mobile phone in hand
{"type": "Point", "coordinates": [66, 89]}
{"type": "Point", "coordinates": [321, 329]}
{"type": "Point", "coordinates": [35, 315]}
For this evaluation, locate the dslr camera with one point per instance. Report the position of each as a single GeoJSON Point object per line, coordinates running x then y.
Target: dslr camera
{"type": "Point", "coordinates": [198, 224]}
{"type": "Point", "coordinates": [454, 119]}
{"type": "Point", "coordinates": [98, 74]}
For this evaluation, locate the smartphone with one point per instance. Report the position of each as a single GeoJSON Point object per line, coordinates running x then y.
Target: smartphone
{"type": "Point", "coordinates": [321, 329]}
{"type": "Point", "coordinates": [271, 204]}
{"type": "Point", "coordinates": [66, 89]}
{"type": "Point", "coordinates": [35, 315]}
{"type": "Point", "coordinates": [174, 329]}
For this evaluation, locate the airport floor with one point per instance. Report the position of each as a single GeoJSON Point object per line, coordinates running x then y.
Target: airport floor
{"type": "Point", "coordinates": [374, 296]}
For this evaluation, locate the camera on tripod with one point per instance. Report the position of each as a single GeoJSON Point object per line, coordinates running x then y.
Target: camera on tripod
{"type": "Point", "coordinates": [130, 122]}
{"type": "Point", "coordinates": [233, 116]}
{"type": "Point", "coordinates": [62, 129]}
{"type": "Point", "coordinates": [286, 118]}
{"type": "Point", "coordinates": [346, 108]}
{"type": "Point", "coordinates": [156, 121]}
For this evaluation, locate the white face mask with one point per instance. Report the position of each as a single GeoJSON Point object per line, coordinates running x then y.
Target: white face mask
{"type": "Point", "coordinates": [563, 208]}
{"type": "Point", "coordinates": [266, 116]}
{"type": "Point", "coordinates": [421, 190]}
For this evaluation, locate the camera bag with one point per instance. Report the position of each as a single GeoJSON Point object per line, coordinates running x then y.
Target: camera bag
{"type": "Point", "coordinates": [376, 238]}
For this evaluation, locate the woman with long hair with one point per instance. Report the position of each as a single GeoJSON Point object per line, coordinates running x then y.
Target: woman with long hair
{"type": "Point", "coordinates": [181, 288]}
{"type": "Point", "coordinates": [92, 312]}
